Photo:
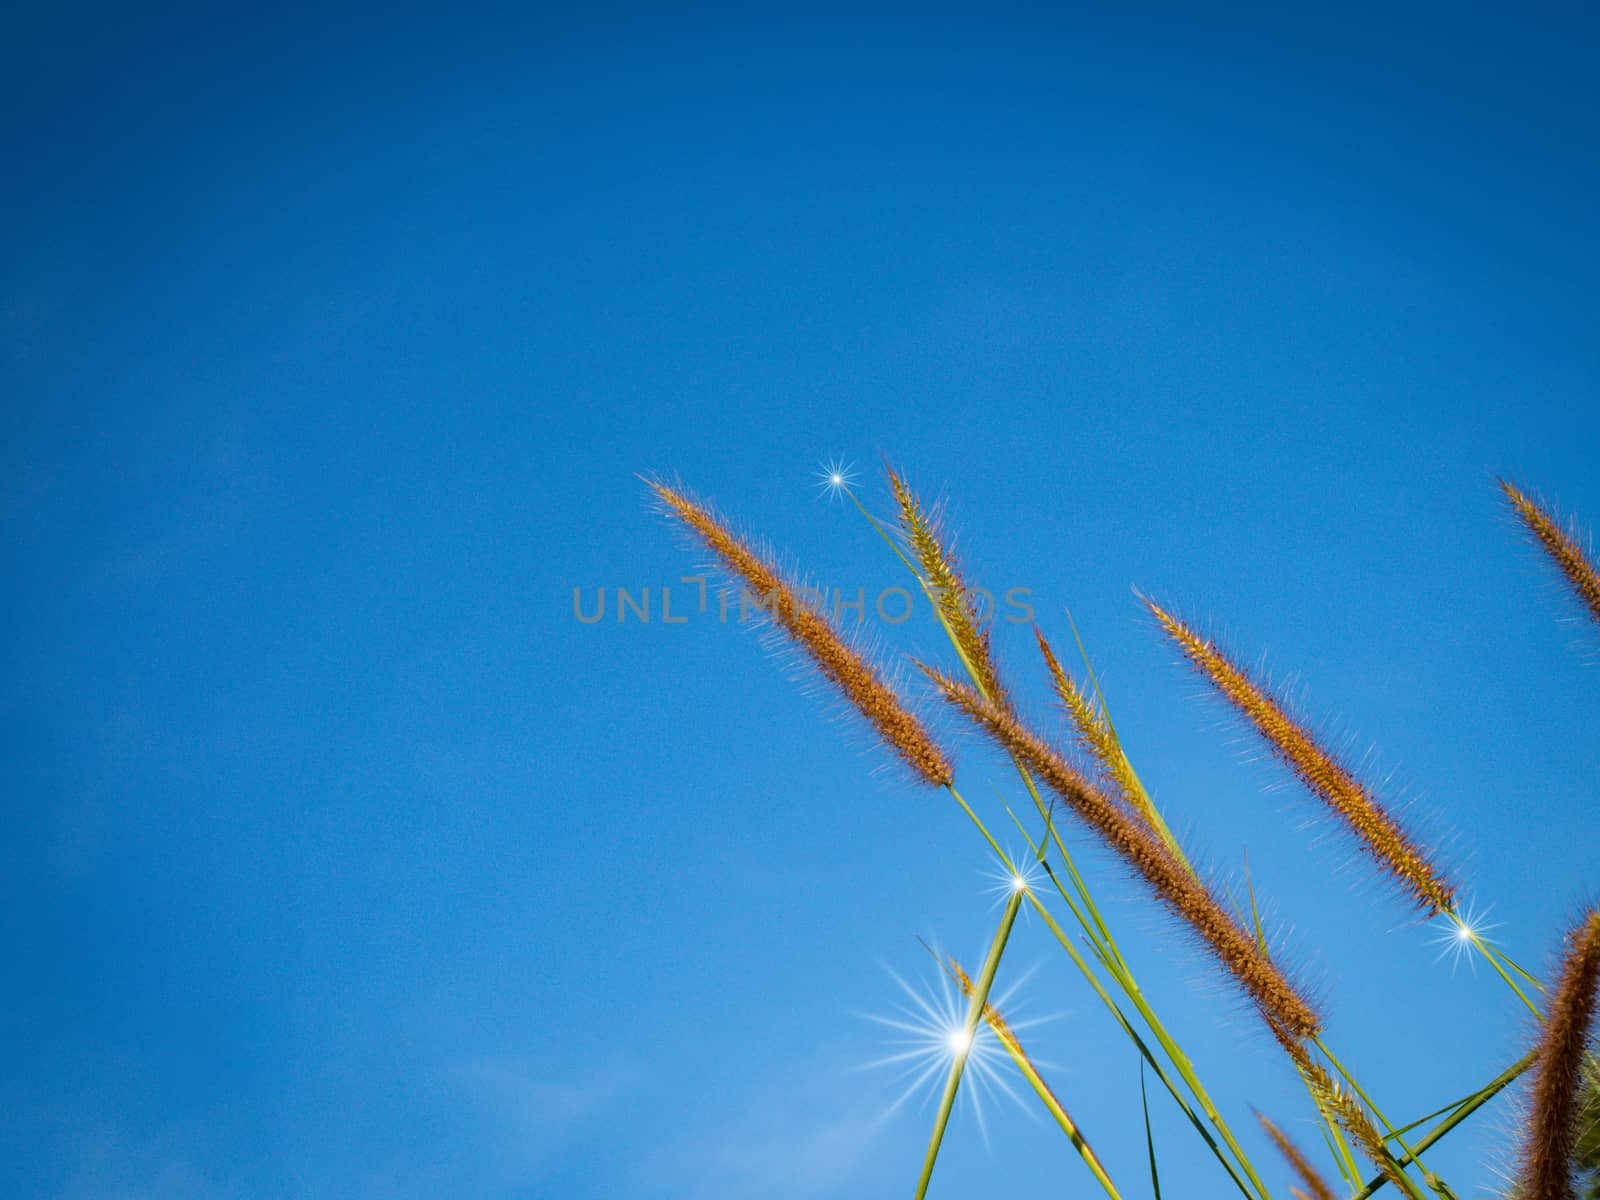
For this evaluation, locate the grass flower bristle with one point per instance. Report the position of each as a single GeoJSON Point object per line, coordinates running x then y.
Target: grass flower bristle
{"type": "Point", "coordinates": [1563, 548]}
{"type": "Point", "coordinates": [948, 590]}
{"type": "Point", "coordinates": [841, 664]}
{"type": "Point", "coordinates": [1316, 1187]}
{"type": "Point", "coordinates": [1552, 1130]}
{"type": "Point", "coordinates": [1335, 1102]}
{"type": "Point", "coordinates": [1388, 843]}
{"type": "Point", "coordinates": [1236, 950]}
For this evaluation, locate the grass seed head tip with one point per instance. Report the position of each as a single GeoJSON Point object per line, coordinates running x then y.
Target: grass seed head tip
{"type": "Point", "coordinates": [849, 671]}
{"type": "Point", "coordinates": [1388, 843]}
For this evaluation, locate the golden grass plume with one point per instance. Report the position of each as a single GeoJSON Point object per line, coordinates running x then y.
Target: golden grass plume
{"type": "Point", "coordinates": [1097, 736]}
{"type": "Point", "coordinates": [950, 593]}
{"type": "Point", "coordinates": [1345, 1109]}
{"type": "Point", "coordinates": [1552, 1123]}
{"type": "Point", "coordinates": [1563, 548]}
{"type": "Point", "coordinates": [855, 678]}
{"type": "Point", "coordinates": [1390, 846]}
{"type": "Point", "coordinates": [1316, 1187]}
{"type": "Point", "coordinates": [1237, 951]}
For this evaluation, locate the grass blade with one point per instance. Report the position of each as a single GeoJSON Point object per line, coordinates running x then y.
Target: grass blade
{"type": "Point", "coordinates": [1149, 1138]}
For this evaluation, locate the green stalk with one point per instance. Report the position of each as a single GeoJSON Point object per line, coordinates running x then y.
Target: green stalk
{"type": "Point", "coordinates": [980, 997]}
{"type": "Point", "coordinates": [1494, 958]}
{"type": "Point", "coordinates": [1124, 977]}
{"type": "Point", "coordinates": [1085, 1151]}
{"type": "Point", "coordinates": [1115, 965]}
{"type": "Point", "coordinates": [1103, 954]}
{"type": "Point", "coordinates": [1507, 959]}
{"type": "Point", "coordinates": [1143, 1047]}
{"type": "Point", "coordinates": [1149, 1137]}
{"type": "Point", "coordinates": [1464, 1110]}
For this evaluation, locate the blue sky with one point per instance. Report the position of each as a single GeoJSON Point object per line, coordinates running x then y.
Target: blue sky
{"type": "Point", "coordinates": [340, 860]}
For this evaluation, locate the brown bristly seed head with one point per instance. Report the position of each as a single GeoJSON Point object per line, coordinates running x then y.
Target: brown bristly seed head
{"type": "Point", "coordinates": [1552, 1128]}
{"type": "Point", "coordinates": [950, 591]}
{"type": "Point", "coordinates": [1335, 1102]}
{"type": "Point", "coordinates": [1316, 1186]}
{"type": "Point", "coordinates": [1094, 731]}
{"type": "Point", "coordinates": [855, 678]}
{"type": "Point", "coordinates": [1562, 547]}
{"type": "Point", "coordinates": [1389, 845]}
{"type": "Point", "coordinates": [1185, 895]}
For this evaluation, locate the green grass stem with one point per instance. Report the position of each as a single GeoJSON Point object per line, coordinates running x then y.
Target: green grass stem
{"type": "Point", "coordinates": [980, 997]}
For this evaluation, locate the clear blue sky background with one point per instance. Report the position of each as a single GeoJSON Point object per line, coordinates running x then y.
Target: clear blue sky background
{"type": "Point", "coordinates": [340, 860]}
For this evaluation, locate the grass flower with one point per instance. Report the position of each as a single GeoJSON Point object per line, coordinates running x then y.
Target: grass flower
{"type": "Point", "coordinates": [1563, 548]}
{"type": "Point", "coordinates": [1553, 1127]}
{"type": "Point", "coordinates": [1238, 952]}
{"type": "Point", "coordinates": [1093, 730]}
{"type": "Point", "coordinates": [1389, 845]}
{"type": "Point", "coordinates": [1093, 725]}
{"type": "Point", "coordinates": [1314, 1186]}
{"type": "Point", "coordinates": [1338, 1105]}
{"type": "Point", "coordinates": [840, 664]}
{"type": "Point", "coordinates": [948, 590]}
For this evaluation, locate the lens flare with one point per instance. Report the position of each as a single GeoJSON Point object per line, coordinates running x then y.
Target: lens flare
{"type": "Point", "coordinates": [835, 477]}
{"type": "Point", "coordinates": [1012, 874]}
{"type": "Point", "coordinates": [1458, 934]}
{"type": "Point", "coordinates": [930, 1033]}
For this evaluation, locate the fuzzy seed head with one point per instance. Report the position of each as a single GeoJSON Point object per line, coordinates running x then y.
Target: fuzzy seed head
{"type": "Point", "coordinates": [1097, 736]}
{"type": "Point", "coordinates": [1388, 844]}
{"type": "Point", "coordinates": [1316, 1187]}
{"type": "Point", "coordinates": [1563, 548]}
{"type": "Point", "coordinates": [1334, 1102]}
{"type": "Point", "coordinates": [954, 600]}
{"type": "Point", "coordinates": [839, 663]}
{"type": "Point", "coordinates": [1552, 1130]}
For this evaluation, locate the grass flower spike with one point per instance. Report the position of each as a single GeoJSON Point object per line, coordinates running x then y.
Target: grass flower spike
{"type": "Point", "coordinates": [1390, 846]}
{"type": "Point", "coordinates": [841, 664]}
{"type": "Point", "coordinates": [1315, 1187]}
{"type": "Point", "coordinates": [1340, 1107]}
{"type": "Point", "coordinates": [1562, 547]}
{"type": "Point", "coordinates": [1093, 730]}
{"type": "Point", "coordinates": [1096, 732]}
{"type": "Point", "coordinates": [1553, 1126]}
{"type": "Point", "coordinates": [1236, 950]}
{"type": "Point", "coordinates": [949, 592]}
